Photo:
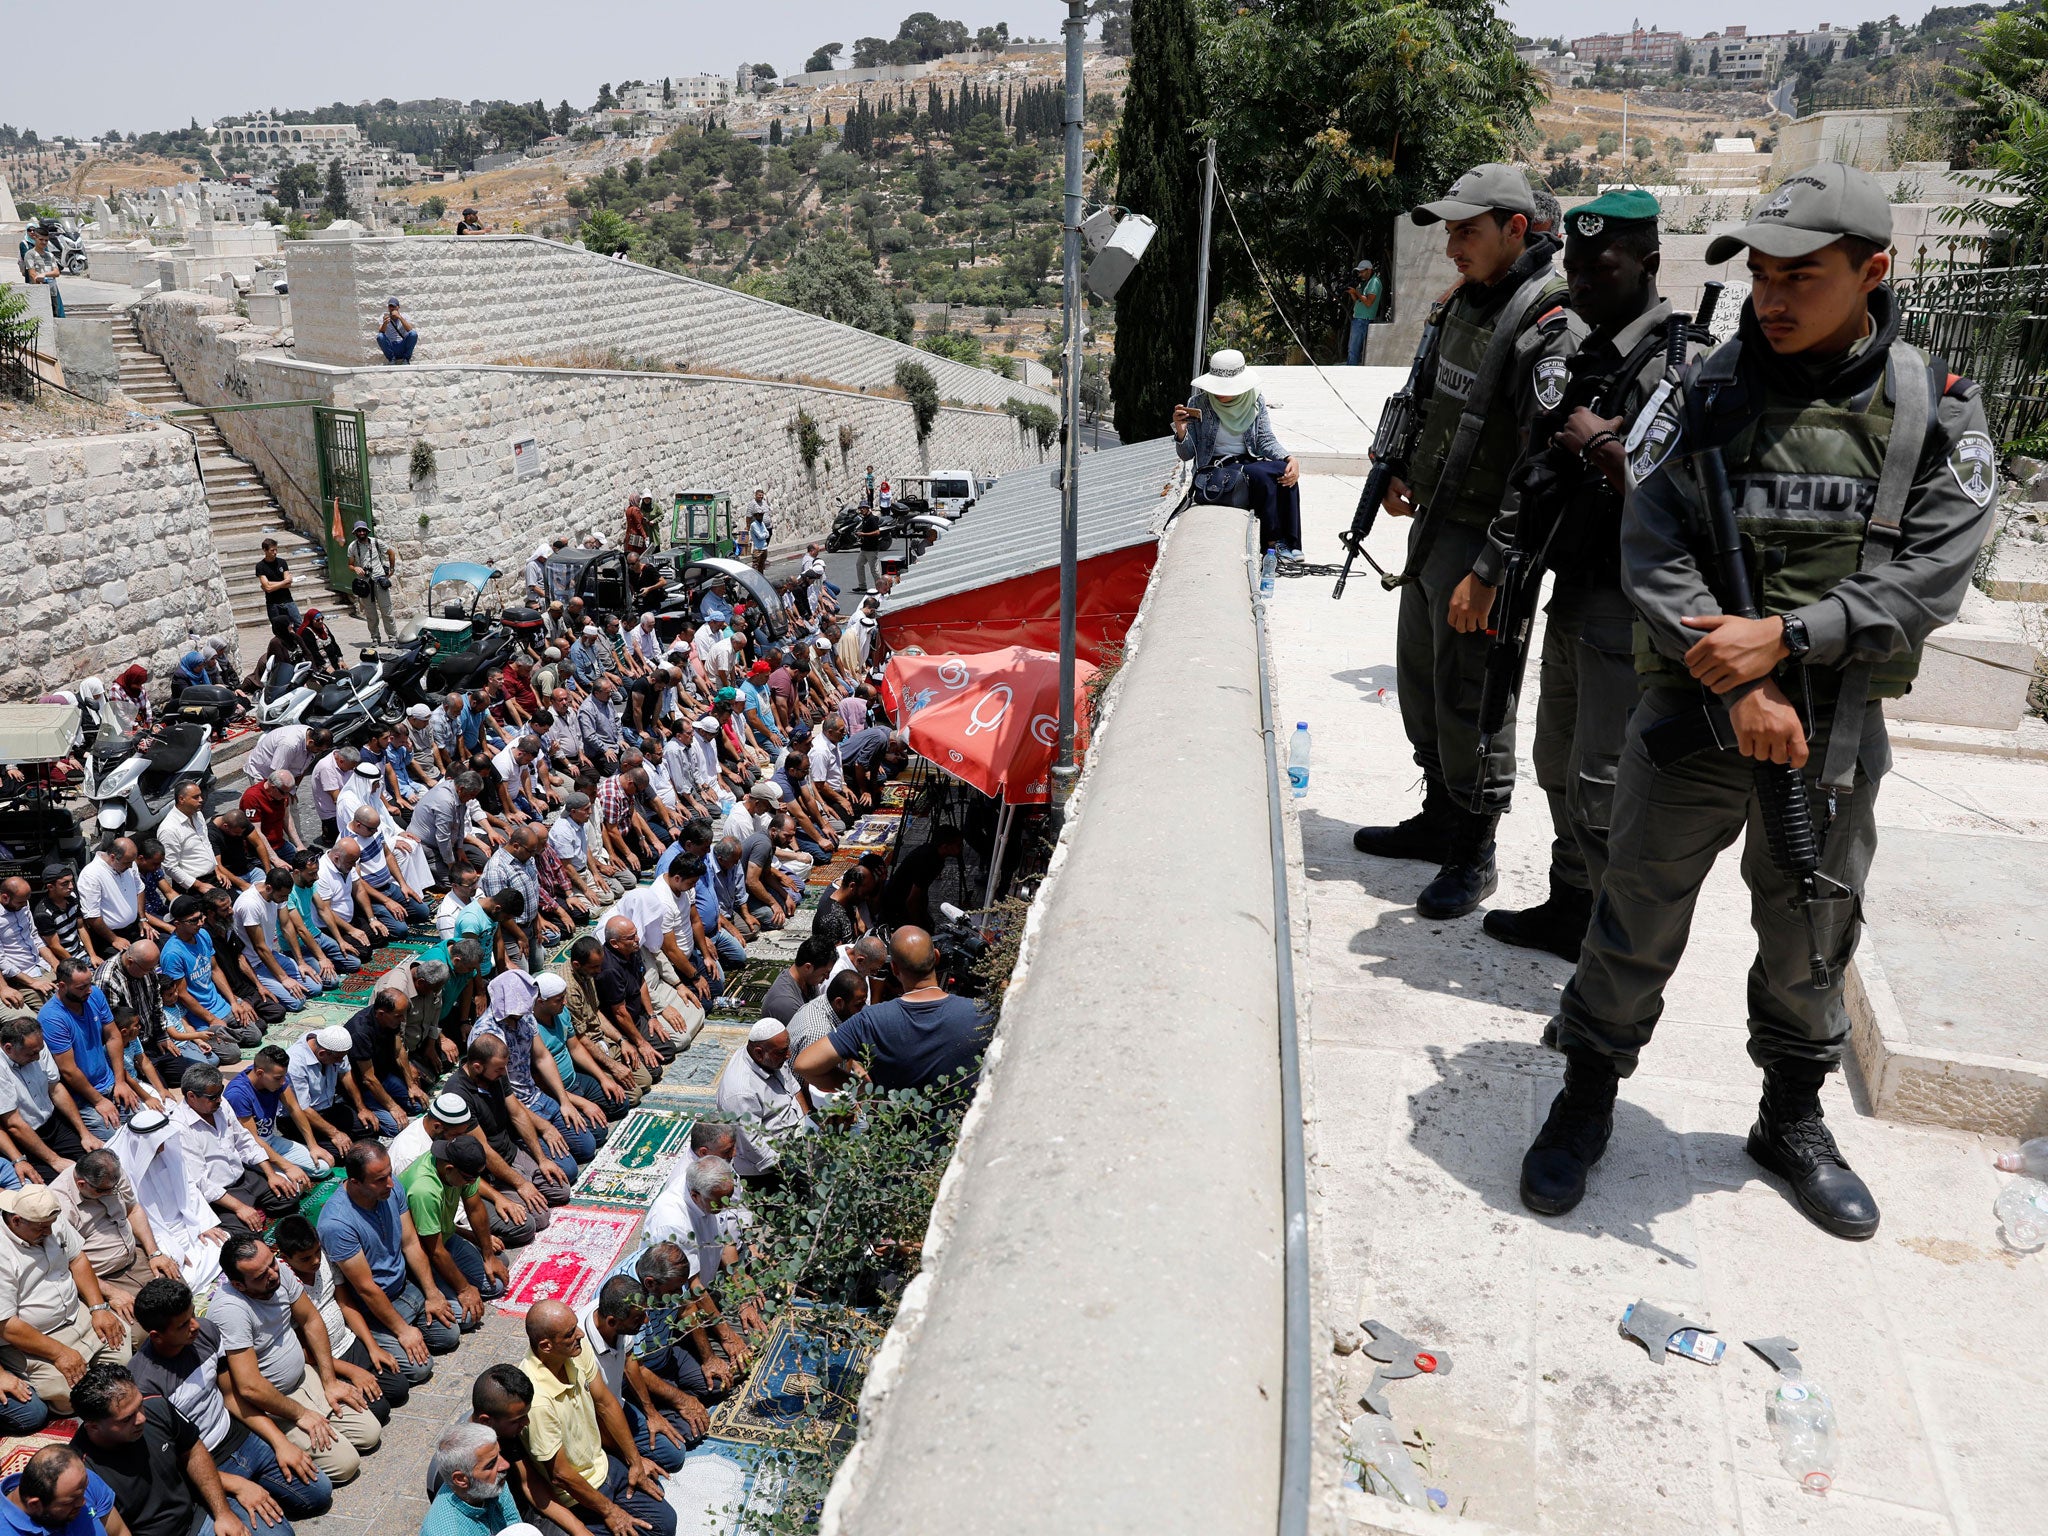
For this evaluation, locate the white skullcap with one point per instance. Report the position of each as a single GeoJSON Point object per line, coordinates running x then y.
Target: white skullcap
{"type": "Point", "coordinates": [767, 1029]}
{"type": "Point", "coordinates": [418, 712]}
{"type": "Point", "coordinates": [333, 1038]}
{"type": "Point", "coordinates": [548, 984]}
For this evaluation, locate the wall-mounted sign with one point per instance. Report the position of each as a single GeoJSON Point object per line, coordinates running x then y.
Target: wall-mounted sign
{"type": "Point", "coordinates": [525, 458]}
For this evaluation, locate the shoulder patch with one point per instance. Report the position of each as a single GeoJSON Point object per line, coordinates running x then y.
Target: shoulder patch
{"type": "Point", "coordinates": [1653, 437]}
{"type": "Point", "coordinates": [1553, 318]}
{"type": "Point", "coordinates": [1548, 381]}
{"type": "Point", "coordinates": [1960, 388]}
{"type": "Point", "coordinates": [1974, 463]}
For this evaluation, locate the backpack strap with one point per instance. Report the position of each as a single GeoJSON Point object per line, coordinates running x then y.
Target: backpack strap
{"type": "Point", "coordinates": [1908, 383]}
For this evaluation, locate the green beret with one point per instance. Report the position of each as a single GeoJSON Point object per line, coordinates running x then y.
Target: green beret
{"type": "Point", "coordinates": [1611, 212]}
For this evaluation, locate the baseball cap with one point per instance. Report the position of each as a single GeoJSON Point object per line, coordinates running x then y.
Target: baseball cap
{"type": "Point", "coordinates": [1483, 189]}
{"type": "Point", "coordinates": [465, 1152]}
{"type": "Point", "coordinates": [769, 790]}
{"type": "Point", "coordinates": [1813, 209]}
{"type": "Point", "coordinates": [417, 712]}
{"type": "Point", "coordinates": [31, 1203]}
{"type": "Point", "coordinates": [450, 1109]}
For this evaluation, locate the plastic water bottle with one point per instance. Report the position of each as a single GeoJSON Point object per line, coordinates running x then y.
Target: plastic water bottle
{"type": "Point", "coordinates": [1297, 759]}
{"type": "Point", "coordinates": [1803, 1420]}
{"type": "Point", "coordinates": [2022, 1210]}
{"type": "Point", "coordinates": [1268, 568]}
{"type": "Point", "coordinates": [1376, 1446]}
{"type": "Point", "coordinates": [2031, 1159]}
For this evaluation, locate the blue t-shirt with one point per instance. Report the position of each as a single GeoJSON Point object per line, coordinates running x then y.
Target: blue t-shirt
{"type": "Point", "coordinates": [64, 1030]}
{"type": "Point", "coordinates": [193, 964]}
{"type": "Point", "coordinates": [246, 1099]}
{"type": "Point", "coordinates": [377, 1233]}
{"type": "Point", "coordinates": [99, 1503]}
{"type": "Point", "coordinates": [907, 1045]}
{"type": "Point", "coordinates": [706, 897]}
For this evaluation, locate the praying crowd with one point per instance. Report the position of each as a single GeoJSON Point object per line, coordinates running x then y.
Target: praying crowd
{"type": "Point", "coordinates": [654, 809]}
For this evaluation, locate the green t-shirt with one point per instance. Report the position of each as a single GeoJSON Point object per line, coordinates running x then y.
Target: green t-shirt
{"type": "Point", "coordinates": [1367, 308]}
{"type": "Point", "coordinates": [433, 1204]}
{"type": "Point", "coordinates": [474, 922]}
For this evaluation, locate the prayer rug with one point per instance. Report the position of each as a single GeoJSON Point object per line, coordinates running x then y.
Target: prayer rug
{"type": "Point", "coordinates": [15, 1450]}
{"type": "Point", "coordinates": [631, 1168]}
{"type": "Point", "coordinates": [568, 1261]}
{"type": "Point", "coordinates": [723, 1488]}
{"type": "Point", "coordinates": [743, 993]}
{"type": "Point", "coordinates": [803, 1391]}
{"type": "Point", "coordinates": [871, 833]}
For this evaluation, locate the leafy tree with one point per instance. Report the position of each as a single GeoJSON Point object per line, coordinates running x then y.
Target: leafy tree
{"type": "Point", "coordinates": [606, 232]}
{"type": "Point", "coordinates": [1334, 117]}
{"type": "Point", "coordinates": [766, 72]}
{"type": "Point", "coordinates": [1607, 144]}
{"type": "Point", "coordinates": [826, 57]}
{"type": "Point", "coordinates": [2007, 64]}
{"type": "Point", "coordinates": [775, 131]}
{"type": "Point", "coordinates": [922, 391]}
{"type": "Point", "coordinates": [668, 91]}
{"type": "Point", "coordinates": [959, 346]}
{"type": "Point", "coordinates": [605, 99]}
{"type": "Point", "coordinates": [296, 183]}
{"type": "Point", "coordinates": [833, 277]}
{"type": "Point", "coordinates": [1156, 176]}
{"type": "Point", "coordinates": [336, 200]}
{"type": "Point", "coordinates": [1115, 16]}
{"type": "Point", "coordinates": [433, 207]}
{"type": "Point", "coordinates": [559, 122]}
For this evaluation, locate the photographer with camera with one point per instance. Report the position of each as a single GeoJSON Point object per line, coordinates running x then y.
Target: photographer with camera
{"type": "Point", "coordinates": [911, 1041]}
{"type": "Point", "coordinates": [371, 561]}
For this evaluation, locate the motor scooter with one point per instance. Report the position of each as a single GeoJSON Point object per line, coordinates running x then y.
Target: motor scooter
{"type": "Point", "coordinates": [133, 781]}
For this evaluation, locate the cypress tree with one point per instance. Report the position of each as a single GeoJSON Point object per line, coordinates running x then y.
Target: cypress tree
{"type": "Point", "coordinates": [1158, 176]}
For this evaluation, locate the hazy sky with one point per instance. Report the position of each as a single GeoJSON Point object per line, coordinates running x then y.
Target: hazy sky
{"type": "Point", "coordinates": [172, 64]}
{"type": "Point", "coordinates": [201, 61]}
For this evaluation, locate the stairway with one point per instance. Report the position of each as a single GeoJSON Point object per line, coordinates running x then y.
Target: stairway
{"type": "Point", "coordinates": [242, 511]}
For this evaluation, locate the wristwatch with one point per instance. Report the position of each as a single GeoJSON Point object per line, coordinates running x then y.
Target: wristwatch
{"type": "Point", "coordinates": [1797, 642]}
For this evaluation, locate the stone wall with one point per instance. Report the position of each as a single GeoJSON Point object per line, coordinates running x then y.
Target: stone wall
{"type": "Point", "coordinates": [500, 298]}
{"type": "Point", "coordinates": [113, 561]}
{"type": "Point", "coordinates": [601, 435]}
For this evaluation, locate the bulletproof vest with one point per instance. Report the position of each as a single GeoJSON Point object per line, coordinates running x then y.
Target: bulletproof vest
{"type": "Point", "coordinates": [1805, 476]}
{"type": "Point", "coordinates": [1586, 549]}
{"type": "Point", "coordinates": [1460, 347]}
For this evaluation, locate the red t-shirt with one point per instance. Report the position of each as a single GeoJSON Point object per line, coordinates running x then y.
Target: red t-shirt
{"type": "Point", "coordinates": [266, 813]}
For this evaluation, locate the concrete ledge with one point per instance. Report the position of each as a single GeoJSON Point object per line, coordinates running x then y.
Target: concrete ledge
{"type": "Point", "coordinates": [1993, 1095]}
{"type": "Point", "coordinates": [2029, 741]}
{"type": "Point", "coordinates": [1095, 1342]}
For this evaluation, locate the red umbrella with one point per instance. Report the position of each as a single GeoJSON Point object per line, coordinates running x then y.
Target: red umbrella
{"type": "Point", "coordinates": [990, 719]}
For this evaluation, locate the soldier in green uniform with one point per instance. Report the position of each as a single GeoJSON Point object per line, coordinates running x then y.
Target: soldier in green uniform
{"type": "Point", "coordinates": [1503, 337]}
{"type": "Point", "coordinates": [1864, 479]}
{"type": "Point", "coordinates": [1588, 682]}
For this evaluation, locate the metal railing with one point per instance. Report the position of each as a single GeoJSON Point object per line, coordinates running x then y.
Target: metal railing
{"type": "Point", "coordinates": [1989, 324]}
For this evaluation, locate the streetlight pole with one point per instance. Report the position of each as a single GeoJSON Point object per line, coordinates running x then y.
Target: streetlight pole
{"type": "Point", "coordinates": [1202, 260]}
{"type": "Point", "coordinates": [1072, 310]}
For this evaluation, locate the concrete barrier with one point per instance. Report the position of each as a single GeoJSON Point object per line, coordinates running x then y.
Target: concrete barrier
{"type": "Point", "coordinates": [1095, 1342]}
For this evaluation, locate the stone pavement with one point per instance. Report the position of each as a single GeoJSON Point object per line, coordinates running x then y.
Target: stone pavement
{"type": "Point", "coordinates": [1425, 1083]}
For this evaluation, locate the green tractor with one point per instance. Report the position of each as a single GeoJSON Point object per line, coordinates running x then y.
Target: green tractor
{"type": "Point", "coordinates": [700, 525]}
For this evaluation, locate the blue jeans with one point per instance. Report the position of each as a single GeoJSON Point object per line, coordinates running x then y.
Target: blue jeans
{"type": "Point", "coordinates": [470, 1260]}
{"type": "Point", "coordinates": [255, 1460]}
{"type": "Point", "coordinates": [97, 1122]}
{"type": "Point", "coordinates": [278, 989]}
{"type": "Point", "coordinates": [23, 1418]}
{"type": "Point", "coordinates": [442, 1339]}
{"type": "Point", "coordinates": [256, 1527]}
{"type": "Point", "coordinates": [343, 962]}
{"type": "Point", "coordinates": [732, 954]}
{"type": "Point", "coordinates": [586, 1086]}
{"type": "Point", "coordinates": [416, 912]}
{"type": "Point", "coordinates": [299, 1157]}
{"type": "Point", "coordinates": [397, 349]}
{"type": "Point", "coordinates": [664, 1453]}
{"type": "Point", "coordinates": [1356, 348]}
{"type": "Point", "coordinates": [582, 1144]}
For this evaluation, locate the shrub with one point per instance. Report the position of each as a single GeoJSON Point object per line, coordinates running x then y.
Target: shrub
{"type": "Point", "coordinates": [922, 391]}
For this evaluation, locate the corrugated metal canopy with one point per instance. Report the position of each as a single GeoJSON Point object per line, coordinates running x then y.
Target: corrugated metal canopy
{"type": "Point", "coordinates": [1015, 528]}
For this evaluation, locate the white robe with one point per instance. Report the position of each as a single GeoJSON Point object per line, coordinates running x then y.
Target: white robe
{"type": "Point", "coordinates": [155, 1165]}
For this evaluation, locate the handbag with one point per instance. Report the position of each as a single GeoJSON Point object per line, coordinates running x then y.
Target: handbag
{"type": "Point", "coordinates": [1224, 484]}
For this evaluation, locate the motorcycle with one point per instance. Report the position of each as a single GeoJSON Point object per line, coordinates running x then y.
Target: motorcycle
{"type": "Point", "coordinates": [67, 244]}
{"type": "Point", "coordinates": [133, 781]}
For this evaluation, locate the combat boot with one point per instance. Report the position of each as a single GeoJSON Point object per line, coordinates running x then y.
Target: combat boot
{"type": "Point", "coordinates": [1792, 1140]}
{"type": "Point", "coordinates": [1581, 1119]}
{"type": "Point", "coordinates": [1467, 876]}
{"type": "Point", "coordinates": [1558, 925]}
{"type": "Point", "coordinates": [1426, 835]}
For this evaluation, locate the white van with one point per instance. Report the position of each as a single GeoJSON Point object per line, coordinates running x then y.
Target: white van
{"type": "Point", "coordinates": [947, 492]}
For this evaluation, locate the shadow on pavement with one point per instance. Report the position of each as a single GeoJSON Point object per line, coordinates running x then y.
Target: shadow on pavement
{"type": "Point", "coordinates": [1474, 1123]}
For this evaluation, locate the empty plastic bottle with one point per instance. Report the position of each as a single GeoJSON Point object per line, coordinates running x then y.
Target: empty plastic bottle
{"type": "Point", "coordinates": [1297, 759]}
{"type": "Point", "coordinates": [2031, 1159]}
{"type": "Point", "coordinates": [1268, 569]}
{"type": "Point", "coordinates": [2022, 1211]}
{"type": "Point", "coordinates": [1803, 1420]}
{"type": "Point", "coordinates": [1376, 1444]}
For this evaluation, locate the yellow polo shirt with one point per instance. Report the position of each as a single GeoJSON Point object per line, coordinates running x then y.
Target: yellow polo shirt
{"type": "Point", "coordinates": [564, 1416]}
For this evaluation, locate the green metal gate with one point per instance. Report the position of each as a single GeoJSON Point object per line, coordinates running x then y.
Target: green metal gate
{"type": "Point", "coordinates": [342, 439]}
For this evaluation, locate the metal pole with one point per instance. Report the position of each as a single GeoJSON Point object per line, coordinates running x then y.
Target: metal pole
{"type": "Point", "coordinates": [1202, 260]}
{"type": "Point", "coordinates": [1063, 771]}
{"type": "Point", "coordinates": [1624, 138]}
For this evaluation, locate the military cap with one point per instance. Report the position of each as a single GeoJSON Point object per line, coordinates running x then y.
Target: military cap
{"type": "Point", "coordinates": [1611, 214]}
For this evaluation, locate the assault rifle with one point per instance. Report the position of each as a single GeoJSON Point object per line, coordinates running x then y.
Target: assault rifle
{"type": "Point", "coordinates": [1548, 482]}
{"type": "Point", "coordinates": [1787, 815]}
{"type": "Point", "coordinates": [1393, 447]}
